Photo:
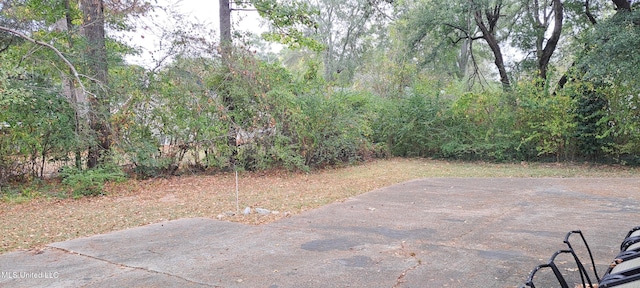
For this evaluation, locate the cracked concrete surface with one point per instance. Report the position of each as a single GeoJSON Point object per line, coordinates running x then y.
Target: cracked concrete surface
{"type": "Point", "coordinates": [423, 233]}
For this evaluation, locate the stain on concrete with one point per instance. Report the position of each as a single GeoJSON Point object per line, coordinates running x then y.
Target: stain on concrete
{"type": "Point", "coordinates": [329, 244]}
{"type": "Point", "coordinates": [455, 220]}
{"type": "Point", "coordinates": [405, 234]}
{"type": "Point", "coordinates": [356, 261]}
{"type": "Point", "coordinates": [397, 234]}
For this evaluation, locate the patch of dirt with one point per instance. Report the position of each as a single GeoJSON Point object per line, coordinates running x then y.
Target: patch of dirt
{"type": "Point", "coordinates": [139, 202]}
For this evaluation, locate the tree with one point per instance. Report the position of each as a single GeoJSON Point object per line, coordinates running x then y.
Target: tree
{"type": "Point", "coordinates": [347, 30]}
{"type": "Point", "coordinates": [609, 68]}
{"type": "Point", "coordinates": [96, 60]}
{"type": "Point", "coordinates": [439, 35]}
{"type": "Point", "coordinates": [286, 18]}
{"type": "Point", "coordinates": [461, 23]}
{"type": "Point", "coordinates": [36, 123]}
{"type": "Point", "coordinates": [487, 17]}
{"type": "Point", "coordinates": [541, 18]}
{"type": "Point", "coordinates": [225, 26]}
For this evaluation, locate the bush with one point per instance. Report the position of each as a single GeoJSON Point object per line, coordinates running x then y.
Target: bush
{"type": "Point", "coordinates": [36, 124]}
{"type": "Point", "coordinates": [482, 126]}
{"type": "Point", "coordinates": [414, 125]}
{"type": "Point", "coordinates": [90, 182]}
{"type": "Point", "coordinates": [546, 123]}
{"type": "Point", "coordinates": [336, 127]}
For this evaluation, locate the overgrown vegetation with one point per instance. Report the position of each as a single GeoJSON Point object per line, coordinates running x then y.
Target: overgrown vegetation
{"type": "Point", "coordinates": [206, 112]}
{"type": "Point", "coordinates": [90, 182]}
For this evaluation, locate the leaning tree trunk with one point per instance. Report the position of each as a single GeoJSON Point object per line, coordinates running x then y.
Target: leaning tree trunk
{"type": "Point", "coordinates": [544, 56]}
{"type": "Point", "coordinates": [96, 61]}
{"type": "Point", "coordinates": [488, 34]}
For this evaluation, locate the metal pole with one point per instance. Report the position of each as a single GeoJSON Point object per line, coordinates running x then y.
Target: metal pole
{"type": "Point", "coordinates": [237, 202]}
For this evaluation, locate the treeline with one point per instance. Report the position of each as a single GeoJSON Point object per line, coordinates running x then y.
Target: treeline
{"type": "Point", "coordinates": [204, 114]}
{"type": "Point", "coordinates": [72, 107]}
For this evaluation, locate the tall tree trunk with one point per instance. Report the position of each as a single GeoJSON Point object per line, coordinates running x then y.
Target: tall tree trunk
{"type": "Point", "coordinates": [465, 53]}
{"type": "Point", "coordinates": [488, 34]}
{"type": "Point", "coordinates": [226, 43]}
{"type": "Point", "coordinates": [225, 27]}
{"type": "Point", "coordinates": [96, 60]}
{"type": "Point", "coordinates": [462, 59]}
{"type": "Point", "coordinates": [545, 55]}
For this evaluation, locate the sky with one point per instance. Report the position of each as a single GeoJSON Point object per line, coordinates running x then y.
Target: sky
{"type": "Point", "coordinates": [205, 12]}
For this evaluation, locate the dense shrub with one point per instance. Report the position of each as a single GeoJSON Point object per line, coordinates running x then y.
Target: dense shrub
{"type": "Point", "coordinates": [210, 114]}
{"type": "Point", "coordinates": [90, 182]}
{"type": "Point", "coordinates": [36, 125]}
{"type": "Point", "coordinates": [484, 121]}
{"type": "Point", "coordinates": [414, 125]}
{"type": "Point", "coordinates": [243, 113]}
{"type": "Point", "coordinates": [336, 127]}
{"type": "Point", "coordinates": [547, 123]}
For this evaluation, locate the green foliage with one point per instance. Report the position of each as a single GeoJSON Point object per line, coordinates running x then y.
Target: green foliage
{"type": "Point", "coordinates": [145, 153]}
{"type": "Point", "coordinates": [430, 32]}
{"type": "Point", "coordinates": [20, 193]}
{"type": "Point", "coordinates": [288, 18]}
{"type": "Point", "coordinates": [411, 97]}
{"type": "Point", "coordinates": [413, 125]}
{"type": "Point", "coordinates": [336, 127]}
{"type": "Point", "coordinates": [611, 86]}
{"type": "Point", "coordinates": [591, 131]}
{"type": "Point", "coordinates": [551, 132]}
{"type": "Point", "coordinates": [620, 124]}
{"type": "Point", "coordinates": [612, 54]}
{"type": "Point", "coordinates": [90, 182]}
{"type": "Point", "coordinates": [494, 126]}
{"type": "Point", "coordinates": [242, 113]}
{"type": "Point", "coordinates": [36, 125]}
{"type": "Point", "coordinates": [483, 125]}
{"type": "Point", "coordinates": [10, 94]}
{"type": "Point", "coordinates": [293, 124]}
{"type": "Point", "coordinates": [386, 75]}
{"type": "Point", "coordinates": [25, 192]}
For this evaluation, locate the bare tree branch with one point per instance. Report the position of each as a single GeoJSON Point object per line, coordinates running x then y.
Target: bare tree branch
{"type": "Point", "coordinates": [24, 36]}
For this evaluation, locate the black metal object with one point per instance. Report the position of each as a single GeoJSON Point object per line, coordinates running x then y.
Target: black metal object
{"type": "Point", "coordinates": [618, 279]}
{"type": "Point", "coordinates": [584, 275]}
{"type": "Point", "coordinates": [622, 257]}
{"type": "Point", "coordinates": [552, 265]}
{"type": "Point", "coordinates": [613, 278]}
{"type": "Point", "coordinates": [630, 240]}
{"type": "Point", "coordinates": [634, 229]}
{"type": "Point", "coordinates": [583, 271]}
{"type": "Point", "coordinates": [621, 277]}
